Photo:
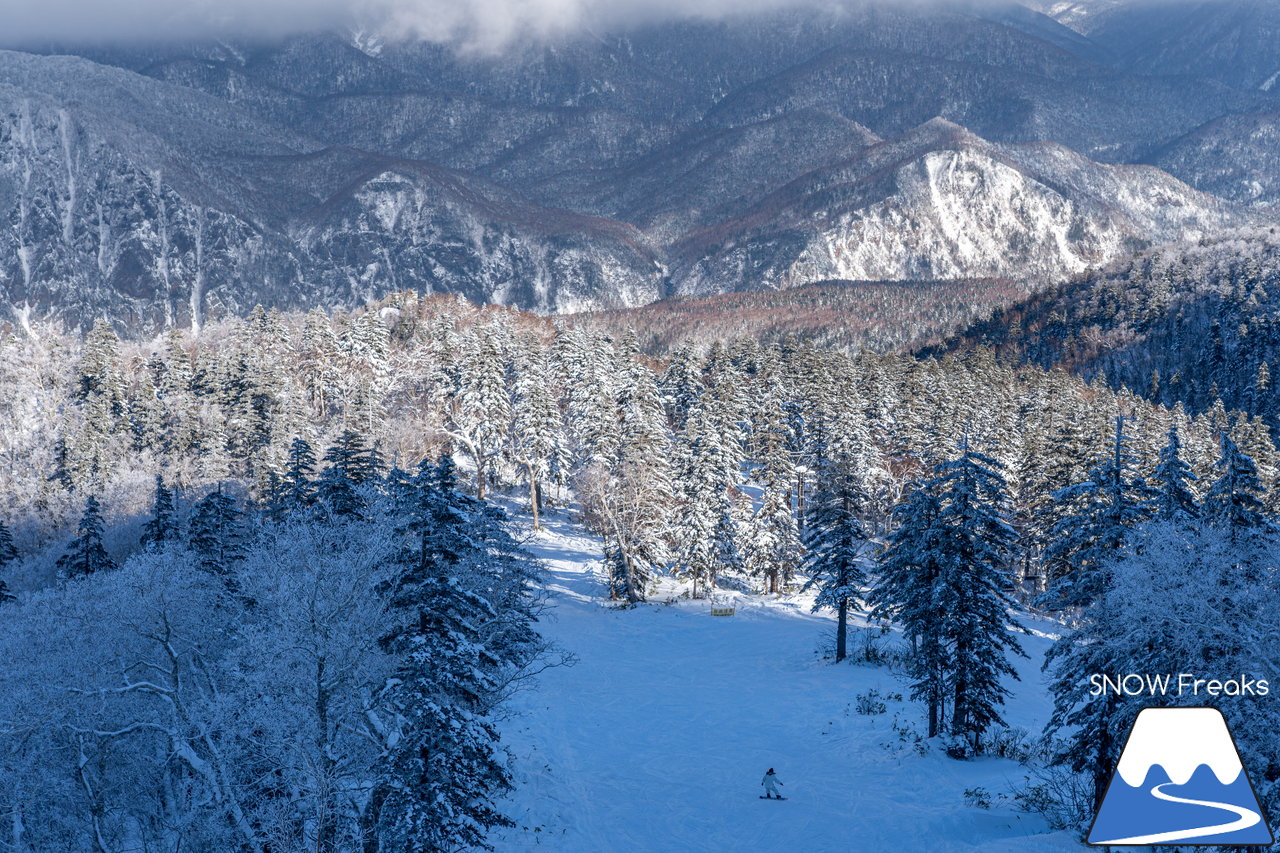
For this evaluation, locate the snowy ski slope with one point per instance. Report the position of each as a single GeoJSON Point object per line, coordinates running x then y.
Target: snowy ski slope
{"type": "Point", "coordinates": [656, 740]}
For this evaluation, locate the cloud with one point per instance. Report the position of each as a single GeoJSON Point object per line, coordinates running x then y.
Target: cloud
{"type": "Point", "coordinates": [482, 25]}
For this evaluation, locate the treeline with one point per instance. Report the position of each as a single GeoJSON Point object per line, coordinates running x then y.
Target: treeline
{"type": "Point", "coordinates": [840, 315]}
{"type": "Point", "coordinates": [1197, 325]}
{"type": "Point", "coordinates": [727, 437]}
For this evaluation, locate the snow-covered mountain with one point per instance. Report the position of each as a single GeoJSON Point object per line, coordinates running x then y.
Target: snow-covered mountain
{"type": "Point", "coordinates": [154, 205]}
{"type": "Point", "coordinates": [1236, 157]}
{"type": "Point", "coordinates": [939, 202]}
{"type": "Point", "coordinates": [161, 184]}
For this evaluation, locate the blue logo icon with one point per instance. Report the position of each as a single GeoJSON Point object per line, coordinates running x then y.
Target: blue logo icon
{"type": "Point", "coordinates": [1180, 781]}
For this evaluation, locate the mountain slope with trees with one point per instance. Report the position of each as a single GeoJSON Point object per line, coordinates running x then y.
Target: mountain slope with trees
{"type": "Point", "coordinates": [1191, 324]}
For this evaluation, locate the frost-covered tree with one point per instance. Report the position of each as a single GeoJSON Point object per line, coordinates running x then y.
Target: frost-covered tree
{"type": "Point", "coordinates": [944, 576]}
{"type": "Point", "coordinates": [1189, 570]}
{"type": "Point", "coordinates": [162, 527]}
{"type": "Point", "coordinates": [835, 540]}
{"type": "Point", "coordinates": [773, 549]}
{"type": "Point", "coordinates": [8, 554]}
{"type": "Point", "coordinates": [1172, 479]}
{"type": "Point", "coordinates": [1101, 511]}
{"type": "Point", "coordinates": [537, 440]}
{"type": "Point", "coordinates": [705, 530]}
{"type": "Point", "coordinates": [908, 592]}
{"type": "Point", "coordinates": [441, 776]}
{"type": "Point", "coordinates": [1234, 501]}
{"type": "Point", "coordinates": [482, 417]}
{"type": "Point", "coordinates": [8, 551]}
{"type": "Point", "coordinates": [217, 537]}
{"type": "Point", "coordinates": [296, 492]}
{"type": "Point", "coordinates": [351, 464]}
{"type": "Point", "coordinates": [971, 590]}
{"type": "Point", "coordinates": [590, 375]}
{"type": "Point", "coordinates": [628, 497]}
{"type": "Point", "coordinates": [86, 554]}
{"type": "Point", "coordinates": [681, 385]}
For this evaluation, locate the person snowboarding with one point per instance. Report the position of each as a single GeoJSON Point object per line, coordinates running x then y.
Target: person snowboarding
{"type": "Point", "coordinates": [771, 783]}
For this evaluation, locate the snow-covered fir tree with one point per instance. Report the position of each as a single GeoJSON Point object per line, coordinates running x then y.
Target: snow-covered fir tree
{"type": "Point", "coordinates": [483, 417]}
{"type": "Point", "coordinates": [977, 546]}
{"type": "Point", "coordinates": [217, 537]}
{"type": "Point", "coordinates": [908, 592]}
{"type": "Point", "coordinates": [537, 440]}
{"type": "Point", "coordinates": [944, 575]}
{"type": "Point", "coordinates": [163, 526]}
{"type": "Point", "coordinates": [773, 549]}
{"type": "Point", "coordinates": [445, 769]}
{"type": "Point", "coordinates": [1234, 501]}
{"type": "Point", "coordinates": [86, 554]}
{"type": "Point", "coordinates": [1101, 510]}
{"type": "Point", "coordinates": [836, 542]}
{"type": "Point", "coordinates": [1172, 479]}
{"type": "Point", "coordinates": [8, 554]}
{"type": "Point", "coordinates": [296, 493]}
{"type": "Point", "coordinates": [705, 528]}
{"type": "Point", "coordinates": [351, 464]}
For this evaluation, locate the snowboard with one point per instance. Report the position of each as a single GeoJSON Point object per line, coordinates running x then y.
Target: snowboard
{"type": "Point", "coordinates": [771, 798]}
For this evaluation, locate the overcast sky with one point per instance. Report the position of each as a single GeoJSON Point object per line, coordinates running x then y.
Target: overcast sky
{"type": "Point", "coordinates": [482, 24]}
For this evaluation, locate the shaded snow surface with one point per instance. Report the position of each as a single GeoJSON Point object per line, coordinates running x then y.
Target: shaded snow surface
{"type": "Point", "coordinates": [656, 740]}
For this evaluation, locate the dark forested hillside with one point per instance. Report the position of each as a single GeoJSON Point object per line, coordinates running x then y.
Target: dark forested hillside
{"type": "Point", "coordinates": [838, 315]}
{"type": "Point", "coordinates": [1196, 324]}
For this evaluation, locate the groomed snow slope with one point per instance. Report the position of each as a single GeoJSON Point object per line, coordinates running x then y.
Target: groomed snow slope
{"type": "Point", "coordinates": [656, 740]}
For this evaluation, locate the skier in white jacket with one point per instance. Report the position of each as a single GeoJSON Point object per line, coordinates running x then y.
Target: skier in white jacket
{"type": "Point", "coordinates": [771, 783]}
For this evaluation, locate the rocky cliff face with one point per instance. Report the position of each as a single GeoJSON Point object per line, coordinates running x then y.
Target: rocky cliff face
{"type": "Point", "coordinates": [108, 218]}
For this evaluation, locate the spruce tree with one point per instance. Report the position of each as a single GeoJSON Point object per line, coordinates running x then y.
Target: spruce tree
{"type": "Point", "coordinates": [1234, 501]}
{"type": "Point", "coordinates": [1102, 510]}
{"type": "Point", "coordinates": [296, 492]}
{"type": "Point", "coordinates": [633, 504]}
{"type": "Point", "coordinates": [351, 464]}
{"type": "Point", "coordinates": [834, 537]}
{"type": "Point", "coordinates": [943, 577]}
{"type": "Point", "coordinates": [440, 778]}
{"type": "Point", "coordinates": [8, 554]}
{"type": "Point", "coordinates": [483, 417]}
{"type": "Point", "coordinates": [908, 592]}
{"type": "Point", "coordinates": [971, 590]}
{"type": "Point", "coordinates": [536, 437]}
{"type": "Point", "coordinates": [773, 540]}
{"type": "Point", "coordinates": [217, 537]}
{"type": "Point", "coordinates": [1092, 723]}
{"type": "Point", "coordinates": [681, 386]}
{"type": "Point", "coordinates": [705, 528]}
{"type": "Point", "coordinates": [162, 527]}
{"type": "Point", "coordinates": [1172, 478]}
{"type": "Point", "coordinates": [101, 375]}
{"type": "Point", "coordinates": [86, 553]}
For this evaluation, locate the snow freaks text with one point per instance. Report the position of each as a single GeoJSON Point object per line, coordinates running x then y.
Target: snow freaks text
{"type": "Point", "coordinates": [1180, 684]}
